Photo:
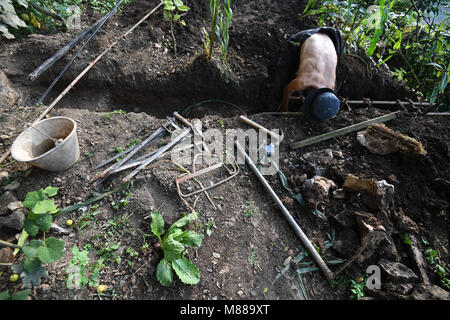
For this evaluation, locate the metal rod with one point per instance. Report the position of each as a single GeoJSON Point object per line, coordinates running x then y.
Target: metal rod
{"type": "Point", "coordinates": [62, 52]}
{"type": "Point", "coordinates": [298, 231]}
{"type": "Point", "coordinates": [156, 155]}
{"type": "Point", "coordinates": [92, 64]}
{"type": "Point", "coordinates": [345, 130]}
{"type": "Point", "coordinates": [31, 126]}
{"type": "Point", "coordinates": [370, 102]}
{"type": "Point", "coordinates": [97, 28]}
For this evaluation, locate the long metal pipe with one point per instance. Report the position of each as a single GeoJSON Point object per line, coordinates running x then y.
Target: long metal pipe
{"type": "Point", "coordinates": [298, 231]}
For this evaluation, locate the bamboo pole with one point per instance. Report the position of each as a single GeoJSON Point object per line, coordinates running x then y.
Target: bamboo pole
{"type": "Point", "coordinates": [345, 130]}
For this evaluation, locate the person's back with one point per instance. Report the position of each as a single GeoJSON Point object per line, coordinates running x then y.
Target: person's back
{"type": "Point", "coordinates": [317, 68]}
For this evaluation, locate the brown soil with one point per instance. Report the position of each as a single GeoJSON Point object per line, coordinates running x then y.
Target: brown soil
{"type": "Point", "coordinates": [250, 239]}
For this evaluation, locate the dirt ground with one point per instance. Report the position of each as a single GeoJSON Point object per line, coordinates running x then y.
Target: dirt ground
{"type": "Point", "coordinates": [247, 241]}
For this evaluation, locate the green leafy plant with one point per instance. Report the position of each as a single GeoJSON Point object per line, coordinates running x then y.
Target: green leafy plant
{"type": "Point", "coordinates": [173, 244]}
{"type": "Point", "coordinates": [21, 295]}
{"type": "Point", "coordinates": [439, 267]}
{"type": "Point", "coordinates": [38, 252]}
{"type": "Point", "coordinates": [220, 23]}
{"type": "Point", "coordinates": [357, 288]}
{"type": "Point", "coordinates": [9, 17]}
{"type": "Point", "coordinates": [80, 272]}
{"type": "Point", "coordinates": [403, 32]}
{"type": "Point", "coordinates": [173, 11]}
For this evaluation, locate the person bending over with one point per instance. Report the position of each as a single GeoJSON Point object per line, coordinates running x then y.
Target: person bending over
{"type": "Point", "coordinates": [309, 66]}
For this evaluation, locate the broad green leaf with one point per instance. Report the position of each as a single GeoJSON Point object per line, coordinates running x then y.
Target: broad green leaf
{"type": "Point", "coordinates": [157, 223]}
{"type": "Point", "coordinates": [186, 271]}
{"type": "Point", "coordinates": [189, 238]}
{"type": "Point", "coordinates": [4, 295]}
{"type": "Point", "coordinates": [52, 251]}
{"type": "Point", "coordinates": [32, 198]}
{"type": "Point", "coordinates": [51, 191]}
{"type": "Point", "coordinates": [21, 295]}
{"type": "Point", "coordinates": [31, 265]}
{"type": "Point", "coordinates": [44, 221]}
{"type": "Point", "coordinates": [33, 277]}
{"type": "Point", "coordinates": [183, 8]}
{"type": "Point", "coordinates": [32, 248]}
{"type": "Point", "coordinates": [444, 82]}
{"type": "Point", "coordinates": [174, 232]}
{"type": "Point", "coordinates": [30, 227]}
{"type": "Point", "coordinates": [183, 221]}
{"type": "Point", "coordinates": [164, 272]}
{"type": "Point", "coordinates": [45, 206]}
{"type": "Point", "coordinates": [172, 249]}
{"type": "Point", "coordinates": [23, 237]}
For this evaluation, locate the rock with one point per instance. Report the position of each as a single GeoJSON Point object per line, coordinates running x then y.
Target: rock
{"type": "Point", "coordinates": [13, 186]}
{"type": "Point", "coordinates": [8, 95]}
{"type": "Point", "coordinates": [377, 195]}
{"type": "Point", "coordinates": [380, 139]}
{"type": "Point", "coordinates": [418, 258]}
{"type": "Point", "coordinates": [319, 157]}
{"type": "Point", "coordinates": [13, 221]}
{"type": "Point", "coordinates": [16, 205]}
{"type": "Point", "coordinates": [424, 291]}
{"type": "Point", "coordinates": [372, 233]}
{"type": "Point", "coordinates": [316, 190]}
{"type": "Point", "coordinates": [4, 176]}
{"type": "Point", "coordinates": [404, 222]}
{"type": "Point", "coordinates": [339, 194]}
{"type": "Point", "coordinates": [6, 255]}
{"type": "Point", "coordinates": [397, 271]}
{"type": "Point", "coordinates": [5, 200]}
{"type": "Point", "coordinates": [400, 288]}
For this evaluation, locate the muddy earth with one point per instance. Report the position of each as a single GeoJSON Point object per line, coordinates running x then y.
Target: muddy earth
{"type": "Point", "coordinates": [249, 250]}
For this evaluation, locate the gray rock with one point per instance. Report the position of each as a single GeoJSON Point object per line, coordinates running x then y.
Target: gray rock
{"type": "Point", "coordinates": [8, 95]}
{"type": "Point", "coordinates": [16, 205]}
{"type": "Point", "coordinates": [13, 221]}
{"type": "Point", "coordinates": [6, 199]}
{"type": "Point", "coordinates": [13, 186]}
{"type": "Point", "coordinates": [4, 175]}
{"type": "Point", "coordinates": [397, 271]}
{"type": "Point", "coordinates": [429, 292]}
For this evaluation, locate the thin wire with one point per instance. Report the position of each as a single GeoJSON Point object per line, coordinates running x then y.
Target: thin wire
{"type": "Point", "coordinates": [187, 110]}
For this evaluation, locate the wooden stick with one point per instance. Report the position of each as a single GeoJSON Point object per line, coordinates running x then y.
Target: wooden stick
{"type": "Point", "coordinates": [345, 130]}
{"type": "Point", "coordinates": [260, 127]}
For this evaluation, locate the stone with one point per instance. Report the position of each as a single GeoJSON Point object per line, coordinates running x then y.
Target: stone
{"type": "Point", "coordinates": [316, 189]}
{"type": "Point", "coordinates": [5, 200]}
{"type": "Point", "coordinates": [424, 291]}
{"type": "Point", "coordinates": [16, 205]}
{"type": "Point", "coordinates": [398, 271]}
{"type": "Point", "coordinates": [13, 186]}
{"type": "Point", "coordinates": [8, 95]}
{"type": "Point", "coordinates": [4, 176]}
{"type": "Point", "coordinates": [404, 222]}
{"type": "Point", "coordinates": [13, 221]}
{"type": "Point", "coordinates": [377, 195]}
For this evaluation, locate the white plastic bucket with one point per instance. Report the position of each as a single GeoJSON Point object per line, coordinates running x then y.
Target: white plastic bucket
{"type": "Point", "coordinates": [37, 149]}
